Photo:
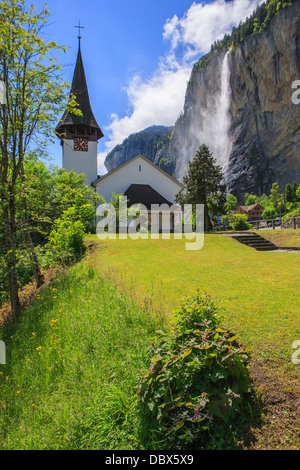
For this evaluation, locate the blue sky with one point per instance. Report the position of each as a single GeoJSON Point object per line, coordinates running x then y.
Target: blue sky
{"type": "Point", "coordinates": [137, 55]}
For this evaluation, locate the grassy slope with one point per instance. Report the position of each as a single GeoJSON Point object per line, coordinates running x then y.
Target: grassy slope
{"type": "Point", "coordinates": [259, 291]}
{"type": "Point", "coordinates": [72, 360]}
{"type": "Point", "coordinates": [282, 237]}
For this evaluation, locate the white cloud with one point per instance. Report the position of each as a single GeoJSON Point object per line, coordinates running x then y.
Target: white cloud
{"type": "Point", "coordinates": [203, 23]}
{"type": "Point", "coordinates": [155, 101]}
{"type": "Point", "coordinates": [171, 31]}
{"type": "Point", "coordinates": [159, 99]}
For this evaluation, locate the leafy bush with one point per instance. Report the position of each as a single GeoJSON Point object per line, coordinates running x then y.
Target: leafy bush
{"type": "Point", "coordinates": [239, 222]}
{"type": "Point", "coordinates": [269, 213]}
{"type": "Point", "coordinates": [197, 387]}
{"type": "Point", "coordinates": [83, 212]}
{"type": "Point", "coordinates": [66, 243]}
{"type": "Point", "coordinates": [66, 240]}
{"type": "Point", "coordinates": [294, 213]}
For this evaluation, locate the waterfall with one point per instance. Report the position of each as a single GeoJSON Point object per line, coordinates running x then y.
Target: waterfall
{"type": "Point", "coordinates": [223, 116]}
{"type": "Point", "coordinates": [210, 118]}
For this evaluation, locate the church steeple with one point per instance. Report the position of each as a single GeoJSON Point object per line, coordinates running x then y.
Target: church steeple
{"type": "Point", "coordinates": [80, 91]}
{"type": "Point", "coordinates": [79, 134]}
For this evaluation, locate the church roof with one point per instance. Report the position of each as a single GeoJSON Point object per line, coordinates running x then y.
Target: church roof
{"type": "Point", "coordinates": [80, 90]}
{"type": "Point", "coordinates": [144, 194]}
{"type": "Point", "coordinates": [107, 175]}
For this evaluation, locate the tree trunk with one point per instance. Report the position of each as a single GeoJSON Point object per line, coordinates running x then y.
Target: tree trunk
{"type": "Point", "coordinates": [207, 222]}
{"type": "Point", "coordinates": [39, 278]}
{"type": "Point", "coordinates": [11, 244]}
{"type": "Point", "coordinates": [13, 288]}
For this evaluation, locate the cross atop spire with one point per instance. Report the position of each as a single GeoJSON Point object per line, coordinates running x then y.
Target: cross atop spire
{"type": "Point", "coordinates": [79, 28]}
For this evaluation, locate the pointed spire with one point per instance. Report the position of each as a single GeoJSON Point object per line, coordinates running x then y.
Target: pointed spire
{"type": "Point", "coordinates": [80, 90]}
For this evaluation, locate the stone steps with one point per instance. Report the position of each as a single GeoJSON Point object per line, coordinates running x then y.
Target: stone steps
{"type": "Point", "coordinates": [254, 241]}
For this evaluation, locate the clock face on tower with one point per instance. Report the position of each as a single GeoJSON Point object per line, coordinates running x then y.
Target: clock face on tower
{"type": "Point", "coordinates": [80, 144]}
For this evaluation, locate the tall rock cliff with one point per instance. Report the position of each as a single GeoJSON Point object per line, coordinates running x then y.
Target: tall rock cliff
{"type": "Point", "coordinates": [147, 142]}
{"type": "Point", "coordinates": [265, 121]}
{"type": "Point", "coordinates": [239, 103]}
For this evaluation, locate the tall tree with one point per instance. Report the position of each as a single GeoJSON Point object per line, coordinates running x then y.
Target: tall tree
{"type": "Point", "coordinates": [35, 96]}
{"type": "Point", "coordinates": [275, 196]}
{"type": "Point", "coordinates": [204, 184]}
{"type": "Point", "coordinates": [231, 203]}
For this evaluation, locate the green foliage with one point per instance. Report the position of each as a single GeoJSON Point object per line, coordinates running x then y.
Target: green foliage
{"type": "Point", "coordinates": [292, 213]}
{"type": "Point", "coordinates": [204, 185]}
{"type": "Point", "coordinates": [231, 203]}
{"type": "Point", "coordinates": [197, 387]}
{"type": "Point", "coordinates": [289, 193]}
{"type": "Point", "coordinates": [239, 222]}
{"type": "Point", "coordinates": [66, 238]}
{"type": "Point", "coordinates": [250, 199]}
{"type": "Point", "coordinates": [50, 192]}
{"type": "Point", "coordinates": [269, 213]}
{"type": "Point", "coordinates": [277, 204]}
{"type": "Point", "coordinates": [24, 269]}
{"type": "Point", "coordinates": [35, 95]}
{"type": "Point", "coordinates": [162, 162]}
{"type": "Point", "coordinates": [275, 196]}
{"type": "Point", "coordinates": [81, 211]}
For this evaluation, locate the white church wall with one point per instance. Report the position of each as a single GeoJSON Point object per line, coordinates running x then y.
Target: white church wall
{"type": "Point", "coordinates": [81, 162]}
{"type": "Point", "coordinates": [138, 171]}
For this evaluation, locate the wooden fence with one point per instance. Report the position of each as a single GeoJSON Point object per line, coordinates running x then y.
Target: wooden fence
{"type": "Point", "coordinates": [291, 222]}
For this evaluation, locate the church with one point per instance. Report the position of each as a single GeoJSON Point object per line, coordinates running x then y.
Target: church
{"type": "Point", "coordinates": [138, 179]}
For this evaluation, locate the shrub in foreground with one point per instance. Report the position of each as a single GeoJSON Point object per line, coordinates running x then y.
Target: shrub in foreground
{"type": "Point", "coordinates": [196, 391]}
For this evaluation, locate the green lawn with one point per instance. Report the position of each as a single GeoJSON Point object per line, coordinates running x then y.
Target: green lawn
{"type": "Point", "coordinates": [73, 357]}
{"type": "Point", "coordinates": [259, 291]}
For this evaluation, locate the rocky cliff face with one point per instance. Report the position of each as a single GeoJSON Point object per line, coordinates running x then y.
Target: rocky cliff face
{"type": "Point", "coordinates": [240, 105]}
{"type": "Point", "coordinates": [265, 122]}
{"type": "Point", "coordinates": [147, 142]}
{"type": "Point", "coordinates": [252, 127]}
